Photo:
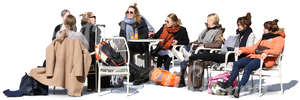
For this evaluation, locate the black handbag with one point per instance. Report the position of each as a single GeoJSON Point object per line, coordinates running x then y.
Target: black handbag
{"type": "Point", "coordinates": [154, 52]}
{"type": "Point", "coordinates": [260, 49]}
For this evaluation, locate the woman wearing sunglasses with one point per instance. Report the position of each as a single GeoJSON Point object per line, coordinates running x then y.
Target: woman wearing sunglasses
{"type": "Point", "coordinates": [172, 33]}
{"type": "Point", "coordinates": [88, 29]}
{"type": "Point", "coordinates": [135, 26]}
{"type": "Point", "coordinates": [133, 22]}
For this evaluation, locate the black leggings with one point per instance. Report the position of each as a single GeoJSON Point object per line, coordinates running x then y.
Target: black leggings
{"type": "Point", "coordinates": [218, 58]}
{"type": "Point", "coordinates": [166, 60]}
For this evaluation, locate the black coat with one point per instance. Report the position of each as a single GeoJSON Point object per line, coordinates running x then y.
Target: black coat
{"type": "Point", "coordinates": [181, 36]}
{"type": "Point", "coordinates": [141, 27]}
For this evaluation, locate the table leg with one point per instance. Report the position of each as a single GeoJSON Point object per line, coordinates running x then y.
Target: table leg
{"type": "Point", "coordinates": [147, 56]}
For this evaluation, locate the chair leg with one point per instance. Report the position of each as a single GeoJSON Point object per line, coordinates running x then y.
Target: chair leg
{"type": "Point", "coordinates": [252, 82]}
{"type": "Point", "coordinates": [99, 83]}
{"type": "Point", "coordinates": [173, 62]}
{"type": "Point", "coordinates": [260, 83]}
{"type": "Point", "coordinates": [54, 90]}
{"type": "Point", "coordinates": [281, 84]}
{"type": "Point", "coordinates": [128, 85]}
{"type": "Point", "coordinates": [207, 72]}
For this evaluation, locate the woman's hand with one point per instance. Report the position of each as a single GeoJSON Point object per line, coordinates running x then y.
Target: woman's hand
{"type": "Point", "coordinates": [263, 55]}
{"type": "Point", "coordinates": [238, 52]}
{"type": "Point", "coordinates": [150, 34]}
{"type": "Point", "coordinates": [174, 42]}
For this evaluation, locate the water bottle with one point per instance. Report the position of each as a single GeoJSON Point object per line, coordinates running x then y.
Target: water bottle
{"type": "Point", "coordinates": [136, 34]}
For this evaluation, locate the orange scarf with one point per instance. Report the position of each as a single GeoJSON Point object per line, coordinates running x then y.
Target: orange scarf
{"type": "Point", "coordinates": [168, 36]}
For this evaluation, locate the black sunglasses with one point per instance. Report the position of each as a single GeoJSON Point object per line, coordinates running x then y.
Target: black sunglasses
{"type": "Point", "coordinates": [167, 21]}
{"type": "Point", "coordinates": [93, 17]}
{"type": "Point", "coordinates": [127, 12]}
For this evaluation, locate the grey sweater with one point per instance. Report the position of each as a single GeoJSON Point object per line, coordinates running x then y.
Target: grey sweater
{"type": "Point", "coordinates": [76, 35]}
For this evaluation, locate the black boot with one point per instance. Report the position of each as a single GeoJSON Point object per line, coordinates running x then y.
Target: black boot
{"type": "Point", "coordinates": [236, 92]}
{"type": "Point", "coordinates": [224, 85]}
{"type": "Point", "coordinates": [182, 79]}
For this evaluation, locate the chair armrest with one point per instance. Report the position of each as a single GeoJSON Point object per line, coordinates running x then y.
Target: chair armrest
{"type": "Point", "coordinates": [226, 58]}
{"type": "Point", "coordinates": [211, 50]}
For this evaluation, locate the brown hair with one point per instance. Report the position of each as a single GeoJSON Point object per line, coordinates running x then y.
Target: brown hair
{"type": "Point", "coordinates": [271, 25]}
{"type": "Point", "coordinates": [175, 19]}
{"type": "Point", "coordinates": [70, 22]}
{"type": "Point", "coordinates": [63, 12]}
{"type": "Point", "coordinates": [137, 17]}
{"type": "Point", "coordinates": [215, 17]}
{"type": "Point", "coordinates": [245, 20]}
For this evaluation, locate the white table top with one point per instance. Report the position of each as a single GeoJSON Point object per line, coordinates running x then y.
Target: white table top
{"type": "Point", "coordinates": [145, 40]}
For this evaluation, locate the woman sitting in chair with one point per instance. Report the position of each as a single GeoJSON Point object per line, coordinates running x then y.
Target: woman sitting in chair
{"type": "Point", "coordinates": [135, 26]}
{"type": "Point", "coordinates": [172, 33]}
{"type": "Point", "coordinates": [272, 43]}
{"type": "Point", "coordinates": [244, 38]}
{"type": "Point", "coordinates": [210, 37]}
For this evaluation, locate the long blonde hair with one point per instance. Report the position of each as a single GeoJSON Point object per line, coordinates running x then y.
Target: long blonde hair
{"type": "Point", "coordinates": [85, 16]}
{"type": "Point", "coordinates": [175, 19]}
{"type": "Point", "coordinates": [137, 17]}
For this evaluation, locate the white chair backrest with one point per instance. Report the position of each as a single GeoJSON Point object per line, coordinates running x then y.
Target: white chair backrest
{"type": "Point", "coordinates": [120, 46]}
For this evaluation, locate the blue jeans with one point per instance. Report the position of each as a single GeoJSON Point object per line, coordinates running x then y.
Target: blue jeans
{"type": "Point", "coordinates": [249, 65]}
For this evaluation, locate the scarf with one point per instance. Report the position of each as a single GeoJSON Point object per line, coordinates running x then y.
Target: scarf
{"type": "Point", "coordinates": [129, 29]}
{"type": "Point", "coordinates": [167, 35]}
{"type": "Point", "coordinates": [209, 34]}
{"type": "Point", "coordinates": [244, 34]}
{"type": "Point", "coordinates": [269, 36]}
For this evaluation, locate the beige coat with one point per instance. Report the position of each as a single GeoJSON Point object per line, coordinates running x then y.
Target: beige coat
{"type": "Point", "coordinates": [67, 66]}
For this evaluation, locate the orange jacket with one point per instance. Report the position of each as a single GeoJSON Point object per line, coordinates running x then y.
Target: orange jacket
{"type": "Point", "coordinates": [276, 46]}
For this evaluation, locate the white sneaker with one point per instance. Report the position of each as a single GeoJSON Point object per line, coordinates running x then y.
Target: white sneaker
{"type": "Point", "coordinates": [178, 54]}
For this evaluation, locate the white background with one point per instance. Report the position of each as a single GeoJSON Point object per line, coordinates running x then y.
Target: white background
{"type": "Point", "coordinates": [27, 27]}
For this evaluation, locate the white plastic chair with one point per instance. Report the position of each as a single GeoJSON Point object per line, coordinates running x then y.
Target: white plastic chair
{"type": "Point", "coordinates": [115, 70]}
{"type": "Point", "coordinates": [263, 72]}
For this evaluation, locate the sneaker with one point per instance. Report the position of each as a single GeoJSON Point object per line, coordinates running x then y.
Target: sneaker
{"type": "Point", "coordinates": [178, 54]}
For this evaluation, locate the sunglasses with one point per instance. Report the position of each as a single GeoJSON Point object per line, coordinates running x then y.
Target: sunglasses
{"type": "Point", "coordinates": [129, 12]}
{"type": "Point", "coordinates": [167, 21]}
{"type": "Point", "coordinates": [93, 17]}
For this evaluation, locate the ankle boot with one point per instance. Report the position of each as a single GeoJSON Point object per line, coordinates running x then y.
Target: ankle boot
{"type": "Point", "coordinates": [182, 79]}
{"type": "Point", "coordinates": [236, 92]}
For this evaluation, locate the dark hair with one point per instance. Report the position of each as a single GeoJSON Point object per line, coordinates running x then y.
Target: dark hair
{"type": "Point", "coordinates": [245, 20]}
{"type": "Point", "coordinates": [70, 22]}
{"type": "Point", "coordinates": [271, 25]}
{"type": "Point", "coordinates": [63, 12]}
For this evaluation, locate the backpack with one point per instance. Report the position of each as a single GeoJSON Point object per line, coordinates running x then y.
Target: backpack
{"type": "Point", "coordinates": [230, 44]}
{"type": "Point", "coordinates": [30, 86]}
{"type": "Point", "coordinates": [113, 58]}
{"type": "Point", "coordinates": [215, 89]}
{"type": "Point", "coordinates": [164, 78]}
{"type": "Point", "coordinates": [138, 74]}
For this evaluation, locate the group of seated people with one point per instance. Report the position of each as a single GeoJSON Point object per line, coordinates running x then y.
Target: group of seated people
{"type": "Point", "coordinates": [173, 33]}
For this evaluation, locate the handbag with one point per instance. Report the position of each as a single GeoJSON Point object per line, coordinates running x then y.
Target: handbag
{"type": "Point", "coordinates": [260, 49]}
{"type": "Point", "coordinates": [154, 52]}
